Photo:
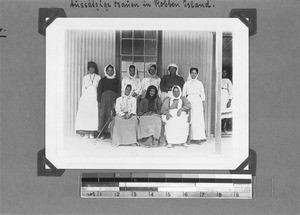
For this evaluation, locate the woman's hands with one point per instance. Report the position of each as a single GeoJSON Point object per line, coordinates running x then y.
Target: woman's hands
{"type": "Point", "coordinates": [168, 115]}
{"type": "Point", "coordinates": [228, 104]}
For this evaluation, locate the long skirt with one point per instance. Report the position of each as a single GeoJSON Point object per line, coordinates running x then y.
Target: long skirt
{"type": "Point", "coordinates": [197, 117]}
{"type": "Point", "coordinates": [149, 126]}
{"type": "Point", "coordinates": [124, 131]}
{"type": "Point", "coordinates": [176, 128]}
{"type": "Point", "coordinates": [225, 112]}
{"type": "Point", "coordinates": [87, 114]}
{"type": "Point", "coordinates": [108, 98]}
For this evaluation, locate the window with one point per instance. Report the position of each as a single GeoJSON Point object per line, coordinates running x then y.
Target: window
{"type": "Point", "coordinates": [139, 48]}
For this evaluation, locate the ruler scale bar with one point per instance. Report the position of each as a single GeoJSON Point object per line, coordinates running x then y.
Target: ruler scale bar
{"type": "Point", "coordinates": [143, 185]}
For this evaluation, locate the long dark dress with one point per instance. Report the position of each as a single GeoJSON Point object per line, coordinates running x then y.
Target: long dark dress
{"type": "Point", "coordinates": [149, 125]}
{"type": "Point", "coordinates": [107, 93]}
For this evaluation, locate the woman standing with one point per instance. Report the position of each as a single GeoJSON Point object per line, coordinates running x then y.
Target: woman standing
{"type": "Point", "coordinates": [150, 120]}
{"type": "Point", "coordinates": [109, 90]}
{"type": "Point", "coordinates": [174, 110]}
{"type": "Point", "coordinates": [194, 91]}
{"type": "Point", "coordinates": [87, 115]}
{"type": "Point", "coordinates": [124, 126]}
{"type": "Point", "coordinates": [152, 79]}
{"type": "Point", "coordinates": [226, 98]}
{"type": "Point", "coordinates": [132, 79]}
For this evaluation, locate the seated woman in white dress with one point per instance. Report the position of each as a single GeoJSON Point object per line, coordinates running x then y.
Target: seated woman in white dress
{"type": "Point", "coordinates": [87, 115]}
{"type": "Point", "coordinates": [124, 125]}
{"type": "Point", "coordinates": [193, 90]}
{"type": "Point", "coordinates": [149, 128]}
{"type": "Point", "coordinates": [151, 79]}
{"type": "Point", "coordinates": [175, 116]}
{"type": "Point", "coordinates": [132, 79]}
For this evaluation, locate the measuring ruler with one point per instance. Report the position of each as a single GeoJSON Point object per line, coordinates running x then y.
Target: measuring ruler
{"type": "Point", "coordinates": [141, 185]}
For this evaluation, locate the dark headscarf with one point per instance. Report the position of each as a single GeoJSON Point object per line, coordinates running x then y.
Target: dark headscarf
{"type": "Point", "coordinates": [93, 65]}
{"type": "Point", "coordinates": [151, 99]}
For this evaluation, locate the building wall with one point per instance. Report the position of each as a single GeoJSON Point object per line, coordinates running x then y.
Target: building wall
{"type": "Point", "coordinates": [83, 46]}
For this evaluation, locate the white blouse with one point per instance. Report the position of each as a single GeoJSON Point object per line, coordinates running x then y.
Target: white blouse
{"type": "Point", "coordinates": [90, 81]}
{"type": "Point", "coordinates": [134, 82]}
{"type": "Point", "coordinates": [125, 104]}
{"type": "Point", "coordinates": [148, 81]}
{"type": "Point", "coordinates": [227, 85]}
{"type": "Point", "coordinates": [193, 87]}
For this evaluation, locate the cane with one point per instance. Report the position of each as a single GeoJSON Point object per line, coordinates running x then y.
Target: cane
{"type": "Point", "coordinates": [111, 114]}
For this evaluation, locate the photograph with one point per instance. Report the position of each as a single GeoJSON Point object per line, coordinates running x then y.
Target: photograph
{"type": "Point", "coordinates": [139, 93]}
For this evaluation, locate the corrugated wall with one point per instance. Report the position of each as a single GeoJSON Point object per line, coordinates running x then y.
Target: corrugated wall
{"type": "Point", "coordinates": [83, 46]}
{"type": "Point", "coordinates": [191, 49]}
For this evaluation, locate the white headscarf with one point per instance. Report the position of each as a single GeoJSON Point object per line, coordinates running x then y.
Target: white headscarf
{"type": "Point", "coordinates": [155, 75]}
{"type": "Point", "coordinates": [135, 72]}
{"type": "Point", "coordinates": [106, 75]}
{"type": "Point", "coordinates": [125, 102]}
{"type": "Point", "coordinates": [190, 78]}
{"type": "Point", "coordinates": [173, 97]}
{"type": "Point", "coordinates": [173, 65]}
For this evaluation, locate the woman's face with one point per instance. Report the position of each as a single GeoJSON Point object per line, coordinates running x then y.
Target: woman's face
{"type": "Point", "coordinates": [152, 71]}
{"type": "Point", "coordinates": [91, 70]}
{"type": "Point", "coordinates": [127, 91]}
{"type": "Point", "coordinates": [131, 71]}
{"type": "Point", "coordinates": [152, 92]}
{"type": "Point", "coordinates": [194, 74]}
{"type": "Point", "coordinates": [172, 70]}
{"type": "Point", "coordinates": [109, 71]}
{"type": "Point", "coordinates": [176, 92]}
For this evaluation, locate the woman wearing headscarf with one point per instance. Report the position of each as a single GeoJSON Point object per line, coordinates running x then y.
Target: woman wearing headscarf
{"type": "Point", "coordinates": [87, 115]}
{"type": "Point", "coordinates": [132, 79]}
{"type": "Point", "coordinates": [170, 80]}
{"type": "Point", "coordinates": [193, 90]}
{"type": "Point", "coordinates": [109, 90]}
{"type": "Point", "coordinates": [226, 98]}
{"type": "Point", "coordinates": [149, 129]}
{"type": "Point", "coordinates": [152, 79]}
{"type": "Point", "coordinates": [175, 116]}
{"type": "Point", "coordinates": [124, 126]}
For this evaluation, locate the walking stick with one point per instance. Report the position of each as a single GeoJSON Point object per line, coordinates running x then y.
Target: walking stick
{"type": "Point", "coordinates": [111, 113]}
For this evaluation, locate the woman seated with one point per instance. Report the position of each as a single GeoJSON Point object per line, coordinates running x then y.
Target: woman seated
{"type": "Point", "coordinates": [175, 116]}
{"type": "Point", "coordinates": [149, 129]}
{"type": "Point", "coordinates": [124, 125]}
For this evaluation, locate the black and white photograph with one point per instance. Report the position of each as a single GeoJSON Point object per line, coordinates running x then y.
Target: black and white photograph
{"type": "Point", "coordinates": [147, 93]}
{"type": "Point", "coordinates": [149, 107]}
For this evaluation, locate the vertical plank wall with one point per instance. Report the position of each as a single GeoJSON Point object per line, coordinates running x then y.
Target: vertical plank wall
{"type": "Point", "coordinates": [81, 47]}
{"type": "Point", "coordinates": [191, 49]}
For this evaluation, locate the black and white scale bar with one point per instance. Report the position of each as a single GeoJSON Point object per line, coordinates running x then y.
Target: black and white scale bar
{"type": "Point", "coordinates": [167, 194]}
{"type": "Point", "coordinates": [169, 186]}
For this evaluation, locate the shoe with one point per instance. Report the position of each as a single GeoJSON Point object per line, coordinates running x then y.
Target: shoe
{"type": "Point", "coordinates": [92, 136]}
{"type": "Point", "coordinates": [186, 145]}
{"type": "Point", "coordinates": [86, 136]}
{"type": "Point", "coordinates": [169, 146]}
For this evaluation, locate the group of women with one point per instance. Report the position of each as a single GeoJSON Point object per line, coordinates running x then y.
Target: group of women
{"type": "Point", "coordinates": [151, 112]}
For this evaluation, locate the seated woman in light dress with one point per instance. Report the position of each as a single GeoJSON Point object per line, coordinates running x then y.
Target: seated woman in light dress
{"type": "Point", "coordinates": [149, 128]}
{"type": "Point", "coordinates": [151, 79]}
{"type": "Point", "coordinates": [87, 115]}
{"type": "Point", "coordinates": [193, 90]}
{"type": "Point", "coordinates": [132, 79]}
{"type": "Point", "coordinates": [124, 125]}
{"type": "Point", "coordinates": [175, 116]}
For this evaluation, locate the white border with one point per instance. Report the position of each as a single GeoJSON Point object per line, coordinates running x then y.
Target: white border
{"type": "Point", "coordinates": [55, 61]}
